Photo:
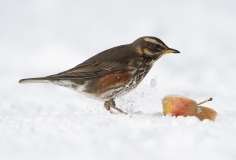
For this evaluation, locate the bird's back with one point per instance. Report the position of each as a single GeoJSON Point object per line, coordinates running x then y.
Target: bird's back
{"type": "Point", "coordinates": [109, 61]}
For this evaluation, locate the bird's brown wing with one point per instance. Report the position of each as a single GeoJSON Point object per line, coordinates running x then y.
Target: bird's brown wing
{"type": "Point", "coordinates": [107, 62]}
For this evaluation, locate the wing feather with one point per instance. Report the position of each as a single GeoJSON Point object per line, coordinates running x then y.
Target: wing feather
{"type": "Point", "coordinates": [101, 64]}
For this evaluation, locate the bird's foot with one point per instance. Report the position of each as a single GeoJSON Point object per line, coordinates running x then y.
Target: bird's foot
{"type": "Point", "coordinates": [111, 104]}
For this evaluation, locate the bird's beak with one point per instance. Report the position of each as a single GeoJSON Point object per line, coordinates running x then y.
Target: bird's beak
{"type": "Point", "coordinates": [170, 50]}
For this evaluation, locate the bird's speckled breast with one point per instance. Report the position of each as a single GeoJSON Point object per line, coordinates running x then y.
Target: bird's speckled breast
{"type": "Point", "coordinates": [118, 84]}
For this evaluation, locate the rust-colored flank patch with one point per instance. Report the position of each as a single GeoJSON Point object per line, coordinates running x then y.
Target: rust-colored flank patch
{"type": "Point", "coordinates": [111, 81]}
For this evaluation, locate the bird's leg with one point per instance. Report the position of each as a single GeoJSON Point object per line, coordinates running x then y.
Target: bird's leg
{"type": "Point", "coordinates": [107, 106]}
{"type": "Point", "coordinates": [111, 104]}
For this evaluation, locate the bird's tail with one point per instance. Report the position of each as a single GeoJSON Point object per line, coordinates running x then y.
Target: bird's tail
{"type": "Point", "coordinates": [35, 80]}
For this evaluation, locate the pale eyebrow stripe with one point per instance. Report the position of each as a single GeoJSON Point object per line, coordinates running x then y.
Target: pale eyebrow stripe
{"type": "Point", "coordinates": [153, 41]}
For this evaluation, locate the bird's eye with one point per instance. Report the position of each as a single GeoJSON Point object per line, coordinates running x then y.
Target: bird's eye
{"type": "Point", "coordinates": [157, 46]}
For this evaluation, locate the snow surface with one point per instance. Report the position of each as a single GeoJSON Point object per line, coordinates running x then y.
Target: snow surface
{"type": "Point", "coordinates": [43, 121]}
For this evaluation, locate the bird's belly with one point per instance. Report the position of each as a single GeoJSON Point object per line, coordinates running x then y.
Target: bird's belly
{"type": "Point", "coordinates": [117, 92]}
{"type": "Point", "coordinates": [66, 83]}
{"type": "Point", "coordinates": [106, 87]}
{"type": "Point", "coordinates": [110, 86]}
{"type": "Point", "coordinates": [103, 88]}
{"type": "Point", "coordinates": [75, 86]}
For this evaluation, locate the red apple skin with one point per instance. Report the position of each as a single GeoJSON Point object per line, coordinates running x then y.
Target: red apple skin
{"type": "Point", "coordinates": [179, 106]}
{"type": "Point", "coordinates": [176, 105]}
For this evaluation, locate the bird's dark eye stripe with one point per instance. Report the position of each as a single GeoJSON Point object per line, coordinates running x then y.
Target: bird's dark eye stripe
{"type": "Point", "coordinates": [157, 46]}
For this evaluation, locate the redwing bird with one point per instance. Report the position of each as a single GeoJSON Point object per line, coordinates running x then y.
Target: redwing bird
{"type": "Point", "coordinates": [111, 73]}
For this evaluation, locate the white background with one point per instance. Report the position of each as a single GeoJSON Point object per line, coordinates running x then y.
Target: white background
{"type": "Point", "coordinates": [43, 121]}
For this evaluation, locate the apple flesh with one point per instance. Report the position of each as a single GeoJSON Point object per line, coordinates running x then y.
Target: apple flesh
{"type": "Point", "coordinates": [177, 105]}
{"type": "Point", "coordinates": [206, 113]}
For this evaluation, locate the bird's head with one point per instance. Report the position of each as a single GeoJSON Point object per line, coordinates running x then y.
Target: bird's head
{"type": "Point", "coordinates": [151, 47]}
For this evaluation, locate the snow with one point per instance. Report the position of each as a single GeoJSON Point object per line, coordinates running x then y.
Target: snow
{"type": "Point", "coordinates": [153, 83]}
{"type": "Point", "coordinates": [199, 110]}
{"type": "Point", "coordinates": [45, 121]}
